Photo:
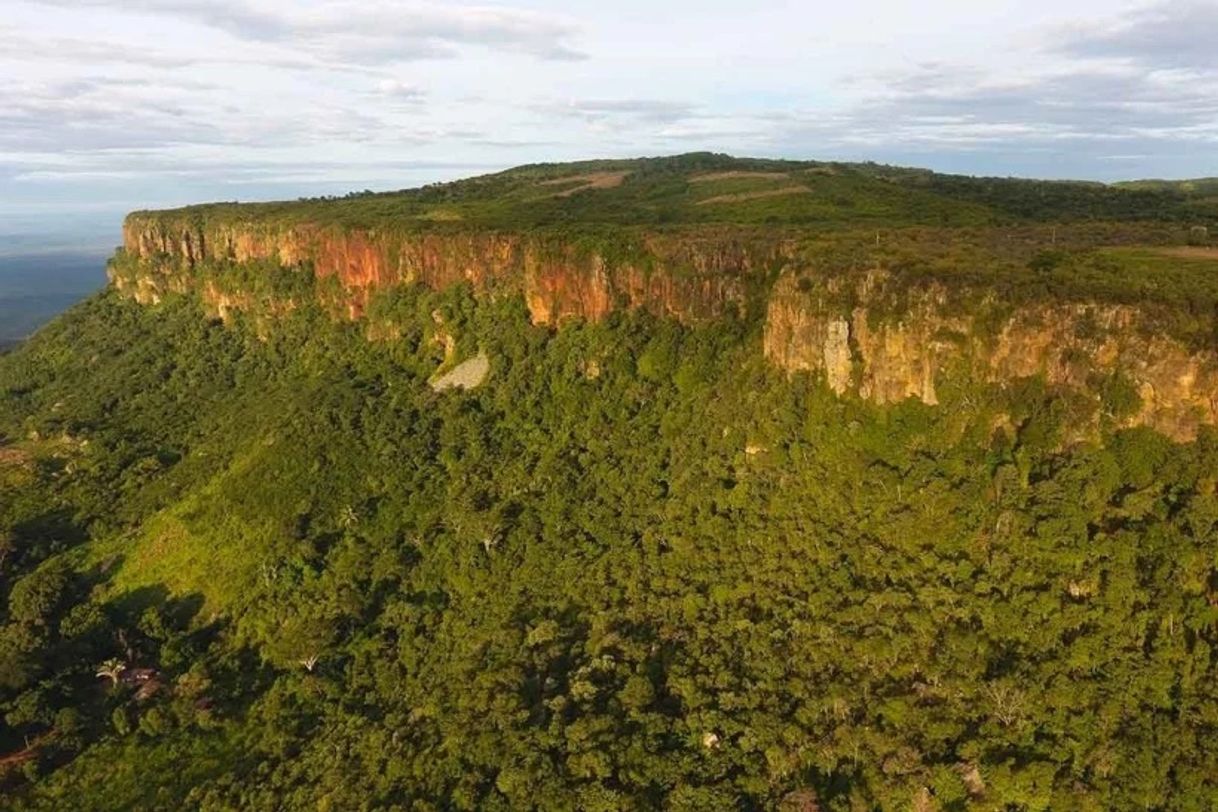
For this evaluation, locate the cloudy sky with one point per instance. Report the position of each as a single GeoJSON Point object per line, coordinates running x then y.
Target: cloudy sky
{"type": "Point", "coordinates": [108, 105]}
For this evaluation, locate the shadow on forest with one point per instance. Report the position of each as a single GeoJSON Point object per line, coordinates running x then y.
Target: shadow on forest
{"type": "Point", "coordinates": [46, 534]}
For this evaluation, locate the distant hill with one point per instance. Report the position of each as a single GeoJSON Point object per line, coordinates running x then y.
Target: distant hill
{"type": "Point", "coordinates": [703, 188]}
{"type": "Point", "coordinates": [1197, 187]}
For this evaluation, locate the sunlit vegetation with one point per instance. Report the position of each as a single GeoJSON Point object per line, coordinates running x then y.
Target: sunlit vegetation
{"type": "Point", "coordinates": [634, 569]}
{"type": "Point", "coordinates": [258, 562]}
{"type": "Point", "coordinates": [669, 191]}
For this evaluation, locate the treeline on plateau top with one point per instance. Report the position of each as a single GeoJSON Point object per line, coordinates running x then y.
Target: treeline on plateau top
{"type": "Point", "coordinates": [636, 569]}
{"type": "Point", "coordinates": [706, 188]}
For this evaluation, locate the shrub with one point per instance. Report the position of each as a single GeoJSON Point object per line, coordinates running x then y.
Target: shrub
{"type": "Point", "coordinates": [1046, 261]}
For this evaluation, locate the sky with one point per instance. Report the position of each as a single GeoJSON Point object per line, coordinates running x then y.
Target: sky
{"type": "Point", "coordinates": [112, 105]}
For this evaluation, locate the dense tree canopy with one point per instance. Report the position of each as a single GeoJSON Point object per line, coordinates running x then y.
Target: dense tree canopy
{"type": "Point", "coordinates": [635, 569]}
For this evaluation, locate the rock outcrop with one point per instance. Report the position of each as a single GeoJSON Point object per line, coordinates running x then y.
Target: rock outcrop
{"type": "Point", "coordinates": [689, 278]}
{"type": "Point", "coordinates": [846, 329]}
{"type": "Point", "coordinates": [888, 357]}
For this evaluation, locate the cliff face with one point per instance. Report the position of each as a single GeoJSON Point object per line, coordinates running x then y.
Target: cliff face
{"type": "Point", "coordinates": [842, 329]}
{"type": "Point", "coordinates": [1073, 345]}
{"type": "Point", "coordinates": [687, 278]}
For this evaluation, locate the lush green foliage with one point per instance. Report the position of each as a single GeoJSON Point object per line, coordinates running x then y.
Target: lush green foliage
{"type": "Point", "coordinates": [707, 188]}
{"type": "Point", "coordinates": [636, 569]}
{"type": "Point", "coordinates": [259, 563]}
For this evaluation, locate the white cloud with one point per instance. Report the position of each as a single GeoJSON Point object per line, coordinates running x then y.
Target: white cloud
{"type": "Point", "coordinates": [1172, 34]}
{"type": "Point", "coordinates": [141, 101]}
{"type": "Point", "coordinates": [371, 32]}
{"type": "Point", "coordinates": [397, 89]}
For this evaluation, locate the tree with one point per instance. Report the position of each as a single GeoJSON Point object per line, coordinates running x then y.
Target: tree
{"type": "Point", "coordinates": [18, 657]}
{"type": "Point", "coordinates": [36, 597]}
{"type": "Point", "coordinates": [8, 545]}
{"type": "Point", "coordinates": [112, 670]}
{"type": "Point", "coordinates": [1046, 261]}
{"type": "Point", "coordinates": [302, 640]}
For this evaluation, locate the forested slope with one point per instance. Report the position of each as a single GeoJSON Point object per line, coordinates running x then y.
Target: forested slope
{"type": "Point", "coordinates": [251, 559]}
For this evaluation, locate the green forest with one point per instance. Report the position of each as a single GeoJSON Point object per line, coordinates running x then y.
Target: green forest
{"type": "Point", "coordinates": [272, 568]}
{"type": "Point", "coordinates": [703, 187]}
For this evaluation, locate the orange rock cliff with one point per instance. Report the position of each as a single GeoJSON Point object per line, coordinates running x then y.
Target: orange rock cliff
{"type": "Point", "coordinates": [558, 281]}
{"type": "Point", "coordinates": [817, 327]}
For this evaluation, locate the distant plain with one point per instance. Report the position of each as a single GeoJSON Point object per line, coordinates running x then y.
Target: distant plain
{"type": "Point", "coordinates": [35, 287]}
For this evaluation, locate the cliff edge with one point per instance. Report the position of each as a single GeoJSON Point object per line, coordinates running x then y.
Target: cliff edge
{"type": "Point", "coordinates": [884, 302]}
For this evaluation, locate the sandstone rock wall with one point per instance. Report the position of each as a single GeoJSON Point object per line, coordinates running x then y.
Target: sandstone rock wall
{"type": "Point", "coordinates": [1070, 344]}
{"type": "Point", "coordinates": [842, 328]}
{"type": "Point", "coordinates": [687, 278]}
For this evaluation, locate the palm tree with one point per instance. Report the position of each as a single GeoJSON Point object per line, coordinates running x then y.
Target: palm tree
{"type": "Point", "coordinates": [112, 669]}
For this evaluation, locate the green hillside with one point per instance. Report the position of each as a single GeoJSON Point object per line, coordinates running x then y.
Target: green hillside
{"type": "Point", "coordinates": [257, 561]}
{"type": "Point", "coordinates": [1197, 187]}
{"type": "Point", "coordinates": [711, 188]}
